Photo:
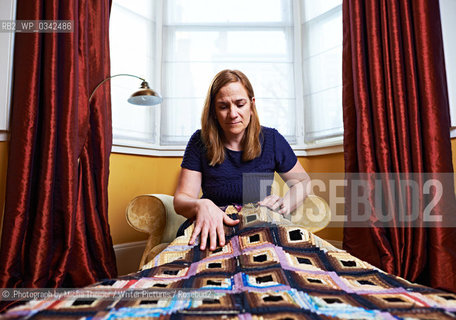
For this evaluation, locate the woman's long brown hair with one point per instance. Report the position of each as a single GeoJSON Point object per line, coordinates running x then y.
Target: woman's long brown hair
{"type": "Point", "coordinates": [212, 133]}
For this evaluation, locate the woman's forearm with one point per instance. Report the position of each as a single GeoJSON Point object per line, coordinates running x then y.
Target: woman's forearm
{"type": "Point", "coordinates": [296, 194]}
{"type": "Point", "coordinates": [186, 205]}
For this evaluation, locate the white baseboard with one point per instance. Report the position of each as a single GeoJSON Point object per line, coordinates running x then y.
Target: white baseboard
{"type": "Point", "coordinates": [128, 256]}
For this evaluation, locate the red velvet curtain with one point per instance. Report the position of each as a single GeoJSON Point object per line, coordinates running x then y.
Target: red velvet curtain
{"type": "Point", "coordinates": [55, 228]}
{"type": "Point", "coordinates": [396, 120]}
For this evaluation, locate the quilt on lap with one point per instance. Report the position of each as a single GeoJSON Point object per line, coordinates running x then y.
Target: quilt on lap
{"type": "Point", "coordinates": [269, 269]}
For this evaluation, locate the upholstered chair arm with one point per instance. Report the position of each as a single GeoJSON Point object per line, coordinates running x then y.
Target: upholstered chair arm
{"type": "Point", "coordinates": [154, 214]}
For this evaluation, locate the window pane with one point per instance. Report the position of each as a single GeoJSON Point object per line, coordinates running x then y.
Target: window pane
{"type": "Point", "coordinates": [131, 55]}
{"type": "Point", "coordinates": [204, 37]}
{"type": "Point", "coordinates": [448, 12]}
{"type": "Point", "coordinates": [222, 11]}
{"type": "Point", "coordinates": [315, 8]}
{"type": "Point", "coordinates": [188, 44]}
{"type": "Point", "coordinates": [180, 118]}
{"type": "Point", "coordinates": [139, 7]}
{"type": "Point", "coordinates": [321, 35]}
{"type": "Point", "coordinates": [126, 31]}
{"type": "Point", "coordinates": [279, 114]}
{"type": "Point", "coordinates": [192, 79]}
{"type": "Point", "coordinates": [275, 113]}
{"type": "Point", "coordinates": [130, 122]}
{"type": "Point", "coordinates": [322, 70]}
{"type": "Point", "coordinates": [187, 84]}
{"type": "Point", "coordinates": [323, 114]}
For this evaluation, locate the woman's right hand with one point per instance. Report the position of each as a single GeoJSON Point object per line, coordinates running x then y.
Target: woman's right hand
{"type": "Point", "coordinates": [209, 221]}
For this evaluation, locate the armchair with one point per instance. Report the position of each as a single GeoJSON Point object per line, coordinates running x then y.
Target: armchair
{"type": "Point", "coordinates": [154, 214]}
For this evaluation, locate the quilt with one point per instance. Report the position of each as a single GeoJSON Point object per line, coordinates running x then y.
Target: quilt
{"type": "Point", "coordinates": [268, 269]}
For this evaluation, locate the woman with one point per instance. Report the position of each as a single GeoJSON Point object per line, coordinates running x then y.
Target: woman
{"type": "Point", "coordinates": [230, 145]}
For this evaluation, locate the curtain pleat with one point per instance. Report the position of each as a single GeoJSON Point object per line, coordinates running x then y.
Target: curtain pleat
{"type": "Point", "coordinates": [55, 228]}
{"type": "Point", "coordinates": [396, 128]}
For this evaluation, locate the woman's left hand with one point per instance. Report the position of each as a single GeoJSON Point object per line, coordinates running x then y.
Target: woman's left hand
{"type": "Point", "coordinates": [276, 203]}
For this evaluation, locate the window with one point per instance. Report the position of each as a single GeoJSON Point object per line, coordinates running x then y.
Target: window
{"type": "Point", "coordinates": [202, 37]}
{"type": "Point", "coordinates": [132, 41]}
{"type": "Point", "coordinates": [448, 11]}
{"type": "Point", "coordinates": [322, 69]}
{"type": "Point", "coordinates": [291, 50]}
{"type": "Point", "coordinates": [7, 13]}
{"type": "Point", "coordinates": [303, 51]}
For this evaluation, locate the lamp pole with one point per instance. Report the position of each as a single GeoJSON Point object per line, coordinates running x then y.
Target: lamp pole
{"type": "Point", "coordinates": [145, 96]}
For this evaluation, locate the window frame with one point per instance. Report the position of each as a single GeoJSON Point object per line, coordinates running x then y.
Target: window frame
{"type": "Point", "coordinates": [301, 148]}
{"type": "Point", "coordinates": [8, 12]}
{"type": "Point", "coordinates": [449, 47]}
{"type": "Point", "coordinates": [7, 44]}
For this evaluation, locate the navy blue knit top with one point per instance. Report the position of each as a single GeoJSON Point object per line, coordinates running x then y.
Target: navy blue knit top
{"type": "Point", "coordinates": [235, 181]}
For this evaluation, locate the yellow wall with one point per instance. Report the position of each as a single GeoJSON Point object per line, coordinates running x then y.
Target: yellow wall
{"type": "Point", "coordinates": [453, 150]}
{"type": "Point", "coordinates": [132, 175]}
{"type": "Point", "coordinates": [326, 163]}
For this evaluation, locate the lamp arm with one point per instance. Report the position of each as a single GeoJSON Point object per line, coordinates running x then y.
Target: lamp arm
{"type": "Point", "coordinates": [110, 77]}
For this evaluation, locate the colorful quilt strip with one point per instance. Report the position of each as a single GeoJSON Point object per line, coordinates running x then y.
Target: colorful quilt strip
{"type": "Point", "coordinates": [269, 269]}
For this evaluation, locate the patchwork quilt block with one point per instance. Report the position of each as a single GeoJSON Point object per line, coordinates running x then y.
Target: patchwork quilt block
{"type": "Point", "coordinates": [269, 269]}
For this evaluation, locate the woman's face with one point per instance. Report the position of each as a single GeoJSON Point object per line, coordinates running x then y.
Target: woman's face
{"type": "Point", "coordinates": [233, 109]}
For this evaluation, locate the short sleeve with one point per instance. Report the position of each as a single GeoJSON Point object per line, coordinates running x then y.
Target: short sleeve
{"type": "Point", "coordinates": [285, 158]}
{"type": "Point", "coordinates": [193, 153]}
